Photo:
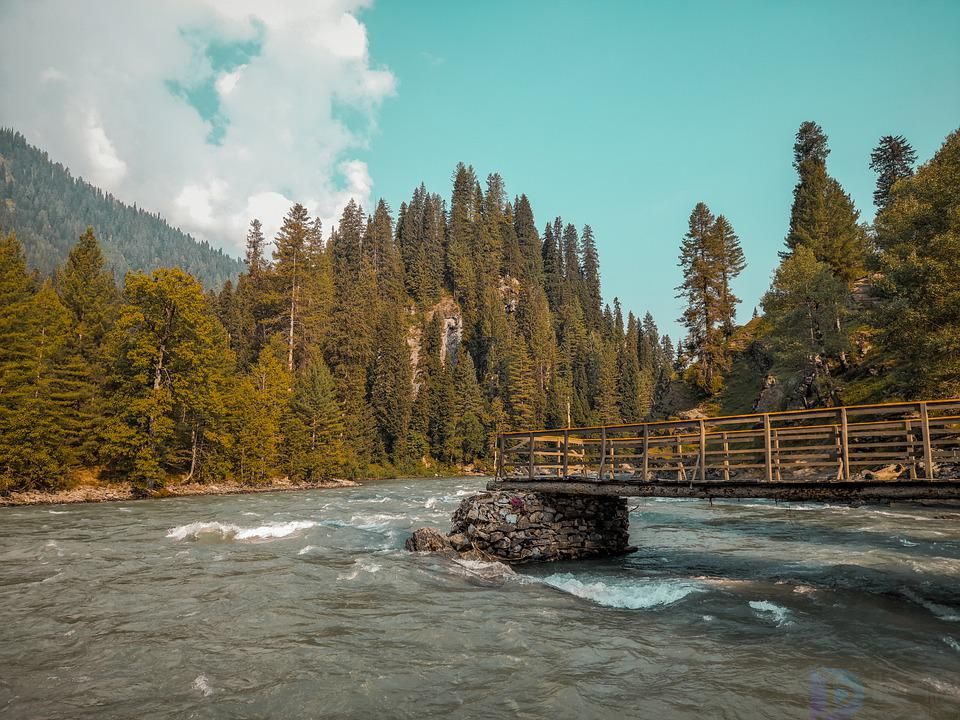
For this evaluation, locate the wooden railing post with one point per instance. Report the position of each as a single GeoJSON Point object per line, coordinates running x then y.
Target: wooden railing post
{"type": "Point", "coordinates": [844, 444]}
{"type": "Point", "coordinates": [646, 451]}
{"type": "Point", "coordinates": [767, 451]}
{"type": "Point", "coordinates": [499, 462]}
{"type": "Point", "coordinates": [603, 452]}
{"type": "Point", "coordinates": [726, 458]}
{"type": "Point", "coordinates": [776, 451]}
{"type": "Point", "coordinates": [530, 469]}
{"type": "Point", "coordinates": [911, 456]}
{"type": "Point", "coordinates": [703, 452]}
{"type": "Point", "coordinates": [681, 473]}
{"type": "Point", "coordinates": [566, 452]}
{"type": "Point", "coordinates": [928, 472]}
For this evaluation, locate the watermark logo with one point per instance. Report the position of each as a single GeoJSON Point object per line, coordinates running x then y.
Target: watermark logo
{"type": "Point", "coordinates": [834, 694]}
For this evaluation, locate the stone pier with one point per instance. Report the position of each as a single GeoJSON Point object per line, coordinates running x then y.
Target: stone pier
{"type": "Point", "coordinates": [520, 527]}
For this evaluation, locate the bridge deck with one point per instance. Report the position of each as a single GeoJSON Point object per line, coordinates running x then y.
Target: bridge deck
{"type": "Point", "coordinates": [868, 452]}
{"type": "Point", "coordinates": [844, 492]}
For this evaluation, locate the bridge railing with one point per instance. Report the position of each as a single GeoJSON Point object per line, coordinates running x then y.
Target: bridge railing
{"type": "Point", "coordinates": [909, 439]}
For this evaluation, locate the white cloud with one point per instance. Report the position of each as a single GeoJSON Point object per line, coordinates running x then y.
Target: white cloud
{"type": "Point", "coordinates": [226, 82]}
{"type": "Point", "coordinates": [106, 168]}
{"type": "Point", "coordinates": [107, 111]}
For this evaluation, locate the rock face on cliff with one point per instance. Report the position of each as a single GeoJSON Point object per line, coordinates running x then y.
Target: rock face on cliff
{"type": "Point", "coordinates": [530, 527]}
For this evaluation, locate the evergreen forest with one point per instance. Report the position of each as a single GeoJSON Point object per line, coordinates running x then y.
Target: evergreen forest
{"type": "Point", "coordinates": [402, 340]}
{"type": "Point", "coordinates": [49, 209]}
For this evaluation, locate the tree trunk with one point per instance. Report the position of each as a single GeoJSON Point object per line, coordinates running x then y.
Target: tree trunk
{"type": "Point", "coordinates": [193, 453]}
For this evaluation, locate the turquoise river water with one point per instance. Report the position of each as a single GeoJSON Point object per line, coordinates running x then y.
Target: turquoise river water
{"type": "Point", "coordinates": [305, 605]}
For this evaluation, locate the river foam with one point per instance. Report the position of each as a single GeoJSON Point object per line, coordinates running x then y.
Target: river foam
{"type": "Point", "coordinates": [770, 611]}
{"type": "Point", "coordinates": [630, 594]}
{"type": "Point", "coordinates": [269, 531]}
{"type": "Point", "coordinates": [361, 565]}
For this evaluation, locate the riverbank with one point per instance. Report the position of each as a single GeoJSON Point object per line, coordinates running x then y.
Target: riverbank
{"type": "Point", "coordinates": [124, 491]}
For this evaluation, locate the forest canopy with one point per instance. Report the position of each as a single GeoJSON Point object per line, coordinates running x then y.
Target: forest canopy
{"type": "Point", "coordinates": [403, 342]}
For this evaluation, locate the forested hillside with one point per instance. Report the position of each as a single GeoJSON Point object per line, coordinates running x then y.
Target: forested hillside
{"type": "Point", "coordinates": [390, 344]}
{"type": "Point", "coordinates": [401, 343]}
{"type": "Point", "coordinates": [856, 312]}
{"type": "Point", "coordinates": [49, 209]}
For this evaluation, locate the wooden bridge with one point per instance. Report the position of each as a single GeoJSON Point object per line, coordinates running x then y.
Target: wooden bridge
{"type": "Point", "coordinates": [894, 451]}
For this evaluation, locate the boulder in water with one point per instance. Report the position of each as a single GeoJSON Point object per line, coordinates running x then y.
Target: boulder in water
{"type": "Point", "coordinates": [428, 539]}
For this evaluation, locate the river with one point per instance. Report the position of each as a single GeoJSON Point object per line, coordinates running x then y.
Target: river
{"type": "Point", "coordinates": [304, 604]}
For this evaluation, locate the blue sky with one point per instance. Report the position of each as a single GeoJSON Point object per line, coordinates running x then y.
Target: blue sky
{"type": "Point", "coordinates": [624, 115]}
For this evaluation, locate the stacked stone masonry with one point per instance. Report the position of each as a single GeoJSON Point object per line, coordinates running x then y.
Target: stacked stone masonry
{"type": "Point", "coordinates": [519, 527]}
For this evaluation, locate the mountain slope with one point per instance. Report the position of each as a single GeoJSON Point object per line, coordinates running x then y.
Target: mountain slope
{"type": "Point", "coordinates": [49, 209]}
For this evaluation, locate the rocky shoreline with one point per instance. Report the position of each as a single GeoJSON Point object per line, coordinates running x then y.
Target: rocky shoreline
{"type": "Point", "coordinates": [123, 491]}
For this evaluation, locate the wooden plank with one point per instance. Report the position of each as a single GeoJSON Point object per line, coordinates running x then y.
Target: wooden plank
{"type": "Point", "coordinates": [566, 452]}
{"type": "Point", "coordinates": [871, 445]}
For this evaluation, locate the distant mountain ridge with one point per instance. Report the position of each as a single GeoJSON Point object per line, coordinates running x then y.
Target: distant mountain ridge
{"type": "Point", "coordinates": [49, 209]}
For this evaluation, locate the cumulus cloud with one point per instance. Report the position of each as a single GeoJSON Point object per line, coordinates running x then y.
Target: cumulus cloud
{"type": "Point", "coordinates": [210, 111]}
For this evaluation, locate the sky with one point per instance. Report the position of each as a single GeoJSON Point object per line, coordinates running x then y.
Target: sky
{"type": "Point", "coordinates": [621, 115]}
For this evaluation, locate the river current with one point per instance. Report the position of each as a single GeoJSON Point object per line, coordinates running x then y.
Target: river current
{"type": "Point", "coordinates": [304, 604]}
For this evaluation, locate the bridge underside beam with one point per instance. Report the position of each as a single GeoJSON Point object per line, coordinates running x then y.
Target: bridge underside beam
{"type": "Point", "coordinates": [843, 492]}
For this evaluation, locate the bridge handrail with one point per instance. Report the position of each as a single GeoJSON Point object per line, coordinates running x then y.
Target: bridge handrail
{"type": "Point", "coordinates": [854, 439]}
{"type": "Point", "coordinates": [824, 412]}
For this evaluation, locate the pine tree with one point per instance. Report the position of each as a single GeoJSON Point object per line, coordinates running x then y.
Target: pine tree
{"type": "Point", "coordinates": [823, 217]}
{"type": "Point", "coordinates": [256, 243]}
{"type": "Point", "coordinates": [316, 297]}
{"type": "Point", "coordinates": [552, 266]}
{"type": "Point", "coordinates": [259, 407]}
{"type": "Point", "coordinates": [528, 239]}
{"type": "Point", "coordinates": [536, 325]}
{"type": "Point", "coordinates": [16, 292]}
{"type": "Point", "coordinates": [391, 397]}
{"type": "Point", "coordinates": [810, 145]}
{"type": "Point", "coordinates": [353, 344]}
{"type": "Point", "coordinates": [702, 288]}
{"type": "Point", "coordinates": [918, 233]}
{"type": "Point", "coordinates": [295, 244]}
{"type": "Point", "coordinates": [572, 272]}
{"type": "Point", "coordinates": [170, 356]}
{"type": "Point", "coordinates": [606, 398]}
{"type": "Point", "coordinates": [631, 388]}
{"type": "Point", "coordinates": [41, 418]}
{"type": "Point", "coordinates": [520, 385]}
{"type": "Point", "coordinates": [313, 427]}
{"type": "Point", "coordinates": [731, 262]}
{"type": "Point", "coordinates": [470, 436]}
{"type": "Point", "coordinates": [490, 235]}
{"type": "Point", "coordinates": [347, 244]}
{"type": "Point", "coordinates": [892, 159]}
{"type": "Point", "coordinates": [89, 292]}
{"type": "Point", "coordinates": [590, 294]}
{"type": "Point", "coordinates": [461, 265]}
{"type": "Point", "coordinates": [807, 305]}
